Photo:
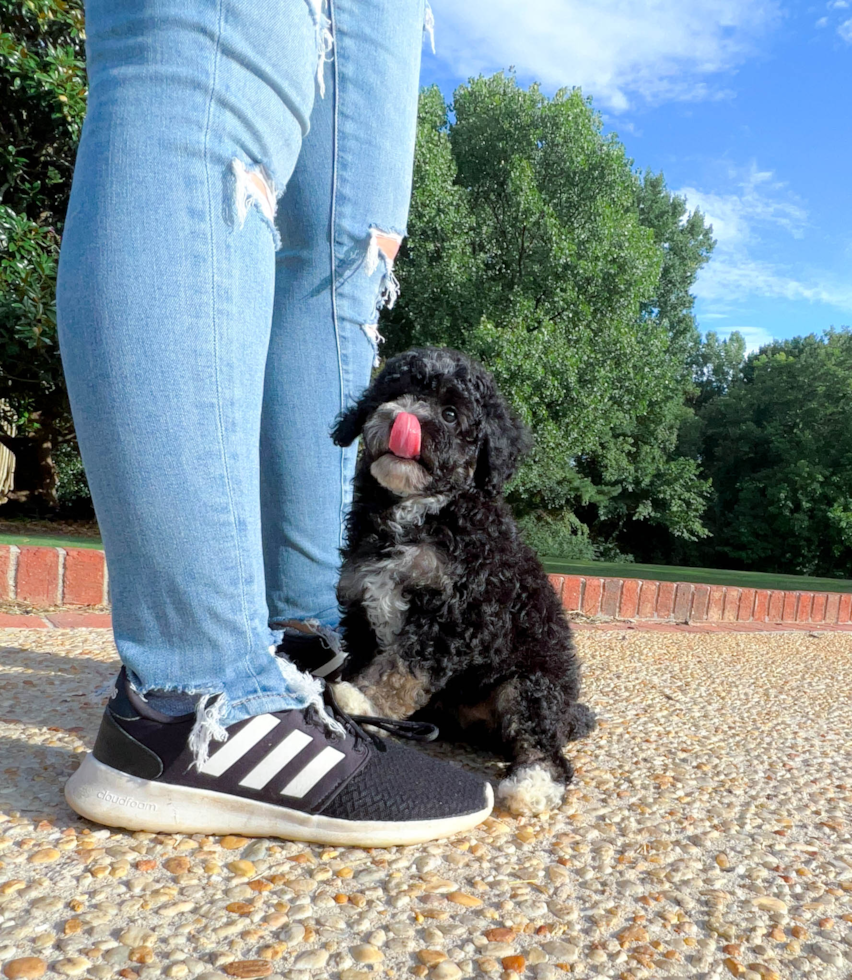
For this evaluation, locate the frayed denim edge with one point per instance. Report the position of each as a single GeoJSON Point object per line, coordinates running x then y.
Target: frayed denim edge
{"type": "Point", "coordinates": [213, 705]}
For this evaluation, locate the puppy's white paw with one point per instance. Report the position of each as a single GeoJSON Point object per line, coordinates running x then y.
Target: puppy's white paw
{"type": "Point", "coordinates": [353, 701]}
{"type": "Point", "coordinates": [530, 790]}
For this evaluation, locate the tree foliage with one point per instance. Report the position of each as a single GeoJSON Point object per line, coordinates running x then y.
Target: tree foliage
{"type": "Point", "coordinates": [777, 444]}
{"type": "Point", "coordinates": [42, 91]}
{"type": "Point", "coordinates": [717, 364]}
{"type": "Point", "coordinates": [534, 245]}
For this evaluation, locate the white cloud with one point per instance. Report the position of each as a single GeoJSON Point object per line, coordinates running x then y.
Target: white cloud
{"type": "Point", "coordinates": [622, 125]}
{"type": "Point", "coordinates": [755, 337]}
{"type": "Point", "coordinates": [760, 200]}
{"type": "Point", "coordinates": [656, 50]}
{"type": "Point", "coordinates": [746, 223]}
{"type": "Point", "coordinates": [732, 276]}
{"type": "Point", "coordinates": [844, 29]}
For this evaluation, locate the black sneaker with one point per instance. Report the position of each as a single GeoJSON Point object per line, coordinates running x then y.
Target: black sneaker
{"type": "Point", "coordinates": [281, 774]}
{"type": "Point", "coordinates": [313, 653]}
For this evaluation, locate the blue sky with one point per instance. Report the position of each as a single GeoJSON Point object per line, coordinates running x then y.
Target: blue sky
{"type": "Point", "coordinates": [739, 102]}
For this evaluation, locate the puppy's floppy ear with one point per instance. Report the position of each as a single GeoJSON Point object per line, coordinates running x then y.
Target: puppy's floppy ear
{"type": "Point", "coordinates": [350, 424]}
{"type": "Point", "coordinates": [506, 439]}
{"type": "Point", "coordinates": [395, 377]}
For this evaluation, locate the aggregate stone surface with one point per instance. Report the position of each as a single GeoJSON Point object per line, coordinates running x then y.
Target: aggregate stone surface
{"type": "Point", "coordinates": [707, 834]}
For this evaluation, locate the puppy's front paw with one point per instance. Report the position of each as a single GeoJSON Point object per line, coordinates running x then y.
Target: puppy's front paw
{"type": "Point", "coordinates": [529, 790]}
{"type": "Point", "coordinates": [353, 701]}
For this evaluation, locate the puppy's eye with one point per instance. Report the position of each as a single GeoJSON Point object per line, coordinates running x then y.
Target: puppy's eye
{"type": "Point", "coordinates": [449, 414]}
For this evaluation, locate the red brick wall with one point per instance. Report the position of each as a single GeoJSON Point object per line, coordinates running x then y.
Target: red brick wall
{"type": "Point", "coordinates": [44, 577]}
{"type": "Point", "coordinates": [683, 602]}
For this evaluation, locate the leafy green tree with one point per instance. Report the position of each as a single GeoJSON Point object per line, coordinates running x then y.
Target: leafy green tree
{"type": "Point", "coordinates": [717, 364]}
{"type": "Point", "coordinates": [686, 243]}
{"type": "Point", "coordinates": [534, 245]}
{"type": "Point", "coordinates": [42, 91]}
{"type": "Point", "coordinates": [778, 447]}
{"type": "Point", "coordinates": [670, 498]}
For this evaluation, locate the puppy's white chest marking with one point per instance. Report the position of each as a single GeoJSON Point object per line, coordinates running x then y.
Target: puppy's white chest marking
{"type": "Point", "coordinates": [413, 510]}
{"type": "Point", "coordinates": [380, 586]}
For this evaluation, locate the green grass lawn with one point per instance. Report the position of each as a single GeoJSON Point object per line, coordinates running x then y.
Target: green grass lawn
{"type": "Point", "coordinates": [50, 541]}
{"type": "Point", "coordinates": [706, 576]}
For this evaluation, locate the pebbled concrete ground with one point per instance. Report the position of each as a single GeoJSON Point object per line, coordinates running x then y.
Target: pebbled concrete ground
{"type": "Point", "coordinates": [708, 834]}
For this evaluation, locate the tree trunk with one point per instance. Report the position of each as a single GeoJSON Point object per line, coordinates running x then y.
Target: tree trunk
{"type": "Point", "coordinates": [7, 457]}
{"type": "Point", "coordinates": [35, 470]}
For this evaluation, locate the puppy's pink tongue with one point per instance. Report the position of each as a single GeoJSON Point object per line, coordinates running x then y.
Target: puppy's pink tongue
{"type": "Point", "coordinates": [405, 436]}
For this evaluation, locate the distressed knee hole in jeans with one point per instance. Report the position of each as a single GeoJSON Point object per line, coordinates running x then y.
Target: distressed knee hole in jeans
{"type": "Point", "coordinates": [250, 186]}
{"type": "Point", "coordinates": [429, 24]}
{"type": "Point", "coordinates": [371, 332]}
{"type": "Point", "coordinates": [382, 249]}
{"type": "Point", "coordinates": [324, 38]}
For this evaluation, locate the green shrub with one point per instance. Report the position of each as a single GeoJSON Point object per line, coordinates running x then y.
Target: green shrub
{"type": "Point", "coordinates": [72, 487]}
{"type": "Point", "coordinates": [561, 535]}
{"type": "Point", "coordinates": [558, 535]}
{"type": "Point", "coordinates": [42, 92]}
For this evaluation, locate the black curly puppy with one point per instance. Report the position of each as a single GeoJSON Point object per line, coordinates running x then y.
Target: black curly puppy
{"type": "Point", "coordinates": [446, 611]}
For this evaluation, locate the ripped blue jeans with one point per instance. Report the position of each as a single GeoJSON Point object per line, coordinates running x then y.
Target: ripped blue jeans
{"type": "Point", "coordinates": [241, 187]}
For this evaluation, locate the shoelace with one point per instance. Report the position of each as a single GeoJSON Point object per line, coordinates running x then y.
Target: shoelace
{"type": "Point", "coordinates": [414, 731]}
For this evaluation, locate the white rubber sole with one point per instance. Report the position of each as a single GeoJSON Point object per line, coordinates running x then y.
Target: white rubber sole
{"type": "Point", "coordinates": [111, 797]}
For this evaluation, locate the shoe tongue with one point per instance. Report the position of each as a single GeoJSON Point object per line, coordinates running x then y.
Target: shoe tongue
{"type": "Point", "coordinates": [310, 653]}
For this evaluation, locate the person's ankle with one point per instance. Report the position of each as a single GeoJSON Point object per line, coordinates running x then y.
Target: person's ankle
{"type": "Point", "coordinates": [173, 703]}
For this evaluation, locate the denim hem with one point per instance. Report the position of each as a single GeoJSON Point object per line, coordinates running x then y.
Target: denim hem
{"type": "Point", "coordinates": [259, 704]}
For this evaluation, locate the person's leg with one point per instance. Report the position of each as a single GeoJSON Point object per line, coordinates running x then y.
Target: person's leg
{"type": "Point", "coordinates": [165, 297]}
{"type": "Point", "coordinates": [345, 210]}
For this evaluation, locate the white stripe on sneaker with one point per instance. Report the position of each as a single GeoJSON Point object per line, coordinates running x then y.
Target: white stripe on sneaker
{"type": "Point", "coordinates": [313, 772]}
{"type": "Point", "coordinates": [237, 745]}
{"type": "Point", "coordinates": [332, 664]}
{"type": "Point", "coordinates": [273, 762]}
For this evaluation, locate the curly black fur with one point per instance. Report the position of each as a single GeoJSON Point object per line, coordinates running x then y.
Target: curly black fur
{"type": "Point", "coordinates": [447, 612]}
